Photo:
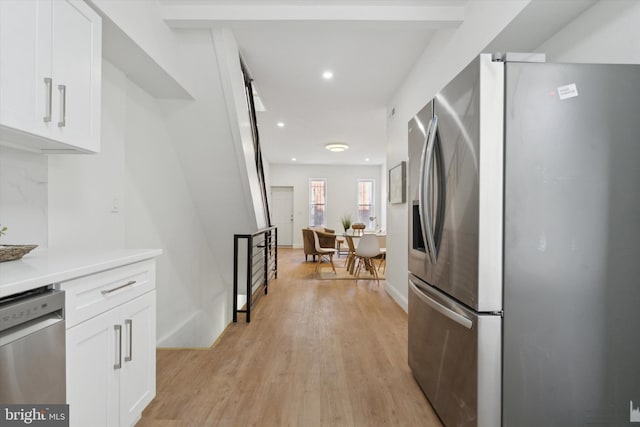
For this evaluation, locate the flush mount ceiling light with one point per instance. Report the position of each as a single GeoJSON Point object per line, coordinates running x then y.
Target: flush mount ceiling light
{"type": "Point", "coordinates": [327, 75]}
{"type": "Point", "coordinates": [336, 147]}
{"type": "Point", "coordinates": [280, 124]}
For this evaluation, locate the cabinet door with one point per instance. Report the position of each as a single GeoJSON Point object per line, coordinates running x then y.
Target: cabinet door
{"type": "Point", "coordinates": [76, 57]}
{"type": "Point", "coordinates": [25, 63]}
{"type": "Point", "coordinates": [92, 380]}
{"type": "Point", "coordinates": [138, 375]}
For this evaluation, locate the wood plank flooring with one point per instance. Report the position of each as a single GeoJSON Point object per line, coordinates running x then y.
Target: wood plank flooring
{"type": "Point", "coordinates": [316, 353]}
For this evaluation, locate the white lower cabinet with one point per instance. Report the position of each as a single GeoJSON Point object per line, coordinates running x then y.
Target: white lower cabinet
{"type": "Point", "coordinates": [138, 373]}
{"type": "Point", "coordinates": [111, 357]}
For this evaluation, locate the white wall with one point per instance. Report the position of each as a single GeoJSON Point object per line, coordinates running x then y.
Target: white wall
{"type": "Point", "coordinates": [86, 192]}
{"type": "Point", "coordinates": [342, 191]}
{"type": "Point", "coordinates": [161, 213]}
{"type": "Point", "coordinates": [446, 55]}
{"type": "Point", "coordinates": [23, 197]}
{"type": "Point", "coordinates": [608, 32]}
{"type": "Point", "coordinates": [141, 20]}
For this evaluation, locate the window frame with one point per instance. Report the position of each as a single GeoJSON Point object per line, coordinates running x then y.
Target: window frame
{"type": "Point", "coordinates": [371, 205]}
{"type": "Point", "coordinates": [312, 204]}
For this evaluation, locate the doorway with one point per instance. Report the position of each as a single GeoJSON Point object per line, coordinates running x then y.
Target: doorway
{"type": "Point", "coordinates": [282, 214]}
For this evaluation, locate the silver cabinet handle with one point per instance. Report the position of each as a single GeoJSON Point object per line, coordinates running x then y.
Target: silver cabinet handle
{"type": "Point", "coordinates": [47, 100]}
{"type": "Point", "coordinates": [118, 329]}
{"type": "Point", "coordinates": [129, 283]}
{"type": "Point", "coordinates": [445, 311]}
{"type": "Point", "coordinates": [63, 105]}
{"type": "Point", "coordinates": [129, 357]}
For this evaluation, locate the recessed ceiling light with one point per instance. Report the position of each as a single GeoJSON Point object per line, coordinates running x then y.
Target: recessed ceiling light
{"type": "Point", "coordinates": [336, 147]}
{"type": "Point", "coordinates": [280, 124]}
{"type": "Point", "coordinates": [327, 75]}
{"type": "Point", "coordinates": [293, 159]}
{"type": "Point", "coordinates": [366, 160]}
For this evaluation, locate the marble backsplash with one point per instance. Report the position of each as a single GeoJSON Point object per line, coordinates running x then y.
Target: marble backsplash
{"type": "Point", "coordinates": [23, 196]}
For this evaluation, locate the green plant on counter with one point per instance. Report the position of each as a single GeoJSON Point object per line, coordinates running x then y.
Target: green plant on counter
{"type": "Point", "coordinates": [3, 230]}
{"type": "Point", "coordinates": [346, 222]}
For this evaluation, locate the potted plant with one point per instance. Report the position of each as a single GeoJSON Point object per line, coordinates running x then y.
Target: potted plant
{"type": "Point", "coordinates": [346, 222]}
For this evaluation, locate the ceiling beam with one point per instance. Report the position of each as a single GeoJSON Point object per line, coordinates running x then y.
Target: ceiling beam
{"type": "Point", "coordinates": [194, 15]}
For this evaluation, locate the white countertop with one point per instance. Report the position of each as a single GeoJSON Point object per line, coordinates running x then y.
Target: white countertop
{"type": "Point", "coordinates": [47, 266]}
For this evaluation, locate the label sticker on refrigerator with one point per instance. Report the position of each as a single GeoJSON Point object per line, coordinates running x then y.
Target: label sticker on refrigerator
{"type": "Point", "coordinates": [568, 91]}
{"type": "Point", "coordinates": [634, 413]}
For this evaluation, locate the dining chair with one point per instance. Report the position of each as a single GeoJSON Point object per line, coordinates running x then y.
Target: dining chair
{"type": "Point", "coordinates": [383, 260]}
{"type": "Point", "coordinates": [350, 262]}
{"type": "Point", "coordinates": [382, 241]}
{"type": "Point", "coordinates": [323, 251]}
{"type": "Point", "coordinates": [368, 248]}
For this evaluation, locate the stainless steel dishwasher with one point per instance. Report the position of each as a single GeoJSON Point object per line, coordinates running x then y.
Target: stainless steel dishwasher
{"type": "Point", "coordinates": [32, 347]}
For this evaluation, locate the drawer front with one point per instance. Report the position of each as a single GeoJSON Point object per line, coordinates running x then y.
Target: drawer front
{"type": "Point", "coordinates": [91, 295]}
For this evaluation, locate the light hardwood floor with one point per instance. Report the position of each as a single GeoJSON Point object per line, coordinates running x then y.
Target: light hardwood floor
{"type": "Point", "coordinates": [316, 353]}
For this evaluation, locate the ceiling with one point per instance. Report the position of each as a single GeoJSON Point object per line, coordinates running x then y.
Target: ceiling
{"type": "Point", "coordinates": [369, 45]}
{"type": "Point", "coordinates": [288, 44]}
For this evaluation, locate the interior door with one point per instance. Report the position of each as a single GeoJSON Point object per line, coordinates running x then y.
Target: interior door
{"type": "Point", "coordinates": [282, 214]}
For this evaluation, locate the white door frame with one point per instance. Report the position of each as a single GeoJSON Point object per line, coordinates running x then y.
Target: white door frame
{"type": "Point", "coordinates": [285, 225]}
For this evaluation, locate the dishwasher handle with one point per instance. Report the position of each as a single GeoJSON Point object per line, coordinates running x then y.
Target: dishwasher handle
{"type": "Point", "coordinates": [24, 329]}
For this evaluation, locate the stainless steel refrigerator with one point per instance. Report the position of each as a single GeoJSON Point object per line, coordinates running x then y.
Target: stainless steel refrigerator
{"type": "Point", "coordinates": [524, 245]}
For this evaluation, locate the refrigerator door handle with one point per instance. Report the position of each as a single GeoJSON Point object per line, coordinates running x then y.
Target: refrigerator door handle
{"type": "Point", "coordinates": [445, 311]}
{"type": "Point", "coordinates": [425, 175]}
{"type": "Point", "coordinates": [421, 187]}
{"type": "Point", "coordinates": [439, 200]}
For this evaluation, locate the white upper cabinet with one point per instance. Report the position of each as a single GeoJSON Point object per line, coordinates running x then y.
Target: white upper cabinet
{"type": "Point", "coordinates": [50, 75]}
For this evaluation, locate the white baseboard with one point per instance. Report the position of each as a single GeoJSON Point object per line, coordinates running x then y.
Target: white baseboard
{"type": "Point", "coordinates": [202, 327]}
{"type": "Point", "coordinates": [183, 335]}
{"type": "Point", "coordinates": [400, 299]}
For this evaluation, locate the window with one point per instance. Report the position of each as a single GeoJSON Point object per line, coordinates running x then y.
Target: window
{"type": "Point", "coordinates": [317, 202]}
{"type": "Point", "coordinates": [366, 203]}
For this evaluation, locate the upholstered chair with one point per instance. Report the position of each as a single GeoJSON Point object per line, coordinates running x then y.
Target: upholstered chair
{"type": "Point", "coordinates": [326, 236]}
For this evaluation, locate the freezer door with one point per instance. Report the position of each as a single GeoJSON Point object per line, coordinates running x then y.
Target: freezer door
{"type": "Point", "coordinates": [454, 355]}
{"type": "Point", "coordinates": [572, 239]}
{"type": "Point", "coordinates": [468, 238]}
{"type": "Point", "coordinates": [419, 261]}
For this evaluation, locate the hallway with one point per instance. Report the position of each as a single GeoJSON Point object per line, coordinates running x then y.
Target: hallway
{"type": "Point", "coordinates": [316, 353]}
